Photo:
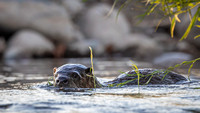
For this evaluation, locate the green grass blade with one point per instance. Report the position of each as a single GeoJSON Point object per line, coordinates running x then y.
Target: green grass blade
{"type": "Point", "coordinates": [121, 7]}
{"type": "Point", "coordinates": [191, 24]}
{"type": "Point", "coordinates": [91, 57]}
{"type": "Point", "coordinates": [111, 10]}
{"type": "Point", "coordinates": [189, 71]}
{"type": "Point", "coordinates": [152, 9]}
{"type": "Point", "coordinates": [172, 26]}
{"type": "Point", "coordinates": [149, 80]}
{"type": "Point", "coordinates": [49, 83]}
{"type": "Point", "coordinates": [137, 72]}
{"type": "Point", "coordinates": [196, 36]}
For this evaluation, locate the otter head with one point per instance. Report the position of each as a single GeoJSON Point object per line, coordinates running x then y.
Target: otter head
{"type": "Point", "coordinates": [73, 76]}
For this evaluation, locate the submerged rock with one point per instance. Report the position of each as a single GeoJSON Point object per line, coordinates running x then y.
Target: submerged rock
{"type": "Point", "coordinates": [26, 44]}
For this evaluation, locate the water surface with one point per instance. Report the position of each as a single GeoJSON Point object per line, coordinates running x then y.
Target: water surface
{"type": "Point", "coordinates": [23, 89]}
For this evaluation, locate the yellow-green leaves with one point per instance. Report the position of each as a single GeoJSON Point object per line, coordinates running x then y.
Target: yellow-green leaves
{"type": "Point", "coordinates": [196, 36]}
{"type": "Point", "coordinates": [173, 23]}
{"type": "Point", "coordinates": [184, 63]}
{"type": "Point", "coordinates": [198, 19]}
{"type": "Point", "coordinates": [194, 19]}
{"type": "Point", "coordinates": [172, 9]}
{"type": "Point", "coordinates": [91, 57]}
{"type": "Point", "coordinates": [135, 68]}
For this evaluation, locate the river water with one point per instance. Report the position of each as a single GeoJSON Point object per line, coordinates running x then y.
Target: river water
{"type": "Point", "coordinates": [23, 89]}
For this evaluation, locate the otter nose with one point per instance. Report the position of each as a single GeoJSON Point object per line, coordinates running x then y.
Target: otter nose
{"type": "Point", "coordinates": [61, 81]}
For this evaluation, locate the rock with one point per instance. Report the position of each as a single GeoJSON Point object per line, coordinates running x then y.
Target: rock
{"type": "Point", "coordinates": [44, 16]}
{"type": "Point", "coordinates": [26, 44]}
{"type": "Point", "coordinates": [185, 46]}
{"type": "Point", "coordinates": [2, 45]}
{"type": "Point", "coordinates": [136, 45]}
{"type": "Point", "coordinates": [96, 25]}
{"type": "Point", "coordinates": [73, 6]}
{"type": "Point", "coordinates": [172, 44]}
{"type": "Point", "coordinates": [82, 47]}
{"type": "Point", "coordinates": [165, 41]}
{"type": "Point", "coordinates": [142, 46]}
{"type": "Point", "coordinates": [171, 58]}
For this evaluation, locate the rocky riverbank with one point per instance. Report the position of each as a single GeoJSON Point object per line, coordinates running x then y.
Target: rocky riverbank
{"type": "Point", "coordinates": [65, 28]}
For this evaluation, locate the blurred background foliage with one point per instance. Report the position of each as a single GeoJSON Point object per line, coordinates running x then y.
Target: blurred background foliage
{"type": "Point", "coordinates": [172, 9]}
{"type": "Point", "coordinates": [66, 28]}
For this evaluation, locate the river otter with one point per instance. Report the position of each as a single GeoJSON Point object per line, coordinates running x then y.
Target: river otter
{"type": "Point", "coordinates": [80, 76]}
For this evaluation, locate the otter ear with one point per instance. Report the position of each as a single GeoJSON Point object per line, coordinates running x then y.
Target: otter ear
{"type": "Point", "coordinates": [54, 70]}
{"type": "Point", "coordinates": [88, 71]}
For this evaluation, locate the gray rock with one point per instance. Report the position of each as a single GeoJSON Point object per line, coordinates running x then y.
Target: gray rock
{"type": "Point", "coordinates": [165, 41]}
{"type": "Point", "coordinates": [82, 47]}
{"type": "Point", "coordinates": [26, 43]}
{"type": "Point", "coordinates": [171, 58]}
{"type": "Point", "coordinates": [45, 17]}
{"type": "Point", "coordinates": [144, 47]}
{"type": "Point", "coordinates": [106, 29]}
{"type": "Point", "coordinates": [73, 6]}
{"type": "Point", "coordinates": [185, 46]}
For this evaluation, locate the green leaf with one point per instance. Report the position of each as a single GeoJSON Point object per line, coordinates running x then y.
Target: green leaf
{"type": "Point", "coordinates": [191, 4]}
{"type": "Point", "coordinates": [198, 26]}
{"type": "Point", "coordinates": [196, 36]}
{"type": "Point", "coordinates": [191, 24]}
{"type": "Point", "coordinates": [172, 26]}
{"type": "Point", "coordinates": [91, 57]}
{"type": "Point", "coordinates": [189, 70]}
{"type": "Point", "coordinates": [198, 19]}
{"type": "Point", "coordinates": [111, 10]}
{"type": "Point", "coordinates": [137, 72]}
{"type": "Point", "coordinates": [149, 80]}
{"type": "Point", "coordinates": [122, 6]}
{"type": "Point", "coordinates": [152, 9]}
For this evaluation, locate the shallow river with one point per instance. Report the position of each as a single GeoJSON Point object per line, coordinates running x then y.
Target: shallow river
{"type": "Point", "coordinates": [23, 89]}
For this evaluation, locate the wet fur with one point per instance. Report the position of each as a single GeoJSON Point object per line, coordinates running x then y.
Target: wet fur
{"type": "Point", "coordinates": [84, 77]}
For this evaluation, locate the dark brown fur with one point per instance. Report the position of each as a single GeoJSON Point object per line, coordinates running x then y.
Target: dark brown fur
{"type": "Point", "coordinates": [80, 76]}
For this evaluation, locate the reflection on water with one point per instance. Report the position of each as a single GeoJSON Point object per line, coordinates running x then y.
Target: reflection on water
{"type": "Point", "coordinates": [23, 89]}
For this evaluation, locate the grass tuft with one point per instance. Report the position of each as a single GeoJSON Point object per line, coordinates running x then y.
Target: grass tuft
{"type": "Point", "coordinates": [92, 68]}
{"type": "Point", "coordinates": [135, 68]}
